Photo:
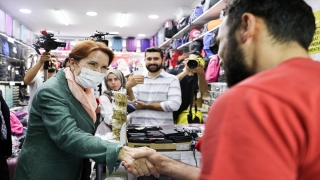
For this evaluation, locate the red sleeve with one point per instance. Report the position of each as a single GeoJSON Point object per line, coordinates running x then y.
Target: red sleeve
{"type": "Point", "coordinates": [250, 135]}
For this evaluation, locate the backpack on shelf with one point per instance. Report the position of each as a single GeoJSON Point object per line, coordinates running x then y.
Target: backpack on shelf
{"type": "Point", "coordinates": [5, 47]}
{"type": "Point", "coordinates": [176, 43]}
{"type": "Point", "coordinates": [170, 29]}
{"type": "Point", "coordinates": [12, 50]}
{"type": "Point", "coordinates": [185, 38]}
{"type": "Point", "coordinates": [197, 11]}
{"type": "Point", "coordinates": [214, 46]}
{"type": "Point", "coordinates": [206, 44]}
{"type": "Point", "coordinates": [194, 33]}
{"type": "Point", "coordinates": [1, 46]}
{"type": "Point", "coordinates": [195, 46]}
{"type": "Point", "coordinates": [183, 23]}
{"type": "Point", "coordinates": [19, 51]}
{"type": "Point", "coordinates": [212, 73]}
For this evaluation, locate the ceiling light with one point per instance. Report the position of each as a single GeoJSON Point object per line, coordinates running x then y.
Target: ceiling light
{"type": "Point", "coordinates": [153, 16]}
{"type": "Point", "coordinates": [113, 33]}
{"type": "Point", "coordinates": [141, 35]}
{"type": "Point", "coordinates": [25, 10]}
{"type": "Point", "coordinates": [123, 19]}
{"type": "Point", "coordinates": [62, 17]}
{"type": "Point", "coordinates": [91, 13]}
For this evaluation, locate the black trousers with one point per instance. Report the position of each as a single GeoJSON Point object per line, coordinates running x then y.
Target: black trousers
{"type": "Point", "coordinates": [4, 170]}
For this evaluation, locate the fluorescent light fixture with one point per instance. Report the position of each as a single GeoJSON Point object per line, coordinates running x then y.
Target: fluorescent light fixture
{"type": "Point", "coordinates": [141, 35]}
{"type": "Point", "coordinates": [123, 19]}
{"type": "Point", "coordinates": [113, 33]}
{"type": "Point", "coordinates": [91, 13]}
{"type": "Point", "coordinates": [25, 10]}
{"type": "Point", "coordinates": [62, 17]}
{"type": "Point", "coordinates": [153, 16]}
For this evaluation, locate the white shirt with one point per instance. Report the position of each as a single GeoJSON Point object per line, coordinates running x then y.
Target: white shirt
{"type": "Point", "coordinates": [38, 80]}
{"type": "Point", "coordinates": [106, 111]}
{"type": "Point", "coordinates": [163, 89]}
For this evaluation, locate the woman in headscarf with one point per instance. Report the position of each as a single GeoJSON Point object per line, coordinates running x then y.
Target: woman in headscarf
{"type": "Point", "coordinates": [114, 81]}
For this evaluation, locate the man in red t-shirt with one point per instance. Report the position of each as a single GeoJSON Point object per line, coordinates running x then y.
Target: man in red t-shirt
{"type": "Point", "coordinates": [267, 125]}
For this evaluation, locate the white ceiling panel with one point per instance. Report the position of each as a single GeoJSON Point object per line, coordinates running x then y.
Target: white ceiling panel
{"type": "Point", "coordinates": [43, 15]}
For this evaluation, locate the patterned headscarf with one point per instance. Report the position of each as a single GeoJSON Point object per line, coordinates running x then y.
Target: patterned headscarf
{"type": "Point", "coordinates": [108, 91]}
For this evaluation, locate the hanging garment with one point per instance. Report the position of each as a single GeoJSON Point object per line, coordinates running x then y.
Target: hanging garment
{"type": "Point", "coordinates": [117, 44]}
{"type": "Point", "coordinates": [131, 44]}
{"type": "Point", "coordinates": [144, 44]}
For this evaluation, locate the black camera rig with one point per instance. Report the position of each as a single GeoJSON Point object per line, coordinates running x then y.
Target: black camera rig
{"type": "Point", "coordinates": [100, 36]}
{"type": "Point", "coordinates": [48, 43]}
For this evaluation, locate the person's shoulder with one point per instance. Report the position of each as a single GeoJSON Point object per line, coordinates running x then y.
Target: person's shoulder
{"type": "Point", "coordinates": [168, 75]}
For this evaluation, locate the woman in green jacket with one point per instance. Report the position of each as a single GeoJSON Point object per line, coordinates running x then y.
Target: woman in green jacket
{"type": "Point", "coordinates": [61, 122]}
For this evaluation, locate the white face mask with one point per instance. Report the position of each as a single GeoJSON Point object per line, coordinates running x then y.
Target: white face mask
{"type": "Point", "coordinates": [89, 78]}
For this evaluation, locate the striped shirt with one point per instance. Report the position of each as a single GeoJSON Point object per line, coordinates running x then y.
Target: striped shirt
{"type": "Point", "coordinates": [163, 89]}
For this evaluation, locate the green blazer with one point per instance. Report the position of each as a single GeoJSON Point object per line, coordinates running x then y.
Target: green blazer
{"type": "Point", "coordinates": [60, 136]}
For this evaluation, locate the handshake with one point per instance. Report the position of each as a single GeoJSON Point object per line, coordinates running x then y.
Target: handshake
{"type": "Point", "coordinates": [141, 161]}
{"type": "Point", "coordinates": [145, 161]}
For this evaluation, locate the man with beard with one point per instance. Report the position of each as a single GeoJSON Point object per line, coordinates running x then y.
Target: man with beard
{"type": "Point", "coordinates": [156, 94]}
{"type": "Point", "coordinates": [34, 78]}
{"type": "Point", "coordinates": [266, 126]}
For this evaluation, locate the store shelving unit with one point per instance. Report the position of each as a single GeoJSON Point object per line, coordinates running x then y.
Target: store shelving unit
{"type": "Point", "coordinates": [12, 40]}
{"type": "Point", "coordinates": [11, 59]}
{"type": "Point", "coordinates": [211, 14]}
{"type": "Point", "coordinates": [186, 45]}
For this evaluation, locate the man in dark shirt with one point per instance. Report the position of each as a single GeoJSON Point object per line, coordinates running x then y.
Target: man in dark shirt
{"type": "Point", "coordinates": [188, 78]}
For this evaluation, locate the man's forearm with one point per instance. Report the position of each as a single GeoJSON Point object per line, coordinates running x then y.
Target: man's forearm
{"type": "Point", "coordinates": [178, 170]}
{"type": "Point", "coordinates": [182, 75]}
{"type": "Point", "coordinates": [31, 74]}
{"type": "Point", "coordinates": [203, 85]}
{"type": "Point", "coordinates": [153, 106]}
{"type": "Point", "coordinates": [130, 94]}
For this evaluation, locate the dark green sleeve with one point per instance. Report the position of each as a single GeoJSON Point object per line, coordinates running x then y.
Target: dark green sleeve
{"type": "Point", "coordinates": [65, 133]}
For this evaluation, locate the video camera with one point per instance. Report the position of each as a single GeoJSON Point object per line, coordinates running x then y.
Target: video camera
{"type": "Point", "coordinates": [100, 36]}
{"type": "Point", "coordinates": [47, 42]}
{"type": "Point", "coordinates": [195, 62]}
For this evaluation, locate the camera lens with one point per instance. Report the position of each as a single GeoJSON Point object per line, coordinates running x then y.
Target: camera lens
{"type": "Point", "coordinates": [192, 64]}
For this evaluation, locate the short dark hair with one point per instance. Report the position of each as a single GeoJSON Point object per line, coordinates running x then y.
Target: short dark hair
{"type": "Point", "coordinates": [154, 49]}
{"type": "Point", "coordinates": [65, 62]}
{"type": "Point", "coordinates": [53, 56]}
{"type": "Point", "coordinates": [286, 20]}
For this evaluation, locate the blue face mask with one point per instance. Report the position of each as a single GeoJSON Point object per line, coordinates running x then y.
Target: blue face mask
{"type": "Point", "coordinates": [89, 78]}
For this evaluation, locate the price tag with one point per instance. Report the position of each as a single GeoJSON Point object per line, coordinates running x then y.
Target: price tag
{"type": "Point", "coordinates": [11, 40]}
{"type": "Point", "coordinates": [12, 83]}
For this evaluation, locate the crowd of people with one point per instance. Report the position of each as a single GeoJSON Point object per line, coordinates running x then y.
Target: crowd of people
{"type": "Point", "coordinates": [266, 126]}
